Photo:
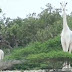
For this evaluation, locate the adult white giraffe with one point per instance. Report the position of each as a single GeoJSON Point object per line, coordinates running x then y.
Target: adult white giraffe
{"type": "Point", "coordinates": [66, 35]}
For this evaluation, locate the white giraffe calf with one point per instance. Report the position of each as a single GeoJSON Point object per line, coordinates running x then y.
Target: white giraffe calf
{"type": "Point", "coordinates": [1, 54]}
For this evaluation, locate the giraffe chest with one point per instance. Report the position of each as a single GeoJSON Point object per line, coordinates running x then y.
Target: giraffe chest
{"type": "Point", "coordinates": [65, 34]}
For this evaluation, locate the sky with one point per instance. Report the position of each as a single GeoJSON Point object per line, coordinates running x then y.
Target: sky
{"type": "Point", "coordinates": [21, 8]}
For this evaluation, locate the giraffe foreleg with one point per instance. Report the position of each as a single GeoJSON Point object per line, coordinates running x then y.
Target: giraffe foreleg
{"type": "Point", "coordinates": [67, 43]}
{"type": "Point", "coordinates": [67, 47]}
{"type": "Point", "coordinates": [63, 45]}
{"type": "Point", "coordinates": [70, 48]}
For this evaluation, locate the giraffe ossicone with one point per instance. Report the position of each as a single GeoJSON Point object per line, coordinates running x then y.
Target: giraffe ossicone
{"type": "Point", "coordinates": [66, 34]}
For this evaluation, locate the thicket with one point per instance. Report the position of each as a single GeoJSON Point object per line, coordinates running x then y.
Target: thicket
{"type": "Point", "coordinates": [41, 27]}
{"type": "Point", "coordinates": [39, 55]}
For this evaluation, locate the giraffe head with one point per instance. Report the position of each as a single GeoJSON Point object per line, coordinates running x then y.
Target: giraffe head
{"type": "Point", "coordinates": [63, 4]}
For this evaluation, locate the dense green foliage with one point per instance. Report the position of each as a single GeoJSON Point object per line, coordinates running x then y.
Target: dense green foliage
{"type": "Point", "coordinates": [36, 48]}
{"type": "Point", "coordinates": [40, 55]}
{"type": "Point", "coordinates": [41, 27]}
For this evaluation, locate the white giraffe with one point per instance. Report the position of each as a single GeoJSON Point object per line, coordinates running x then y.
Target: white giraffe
{"type": "Point", "coordinates": [1, 54]}
{"type": "Point", "coordinates": [66, 35]}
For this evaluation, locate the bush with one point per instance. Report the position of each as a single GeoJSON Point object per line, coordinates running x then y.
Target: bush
{"type": "Point", "coordinates": [38, 54]}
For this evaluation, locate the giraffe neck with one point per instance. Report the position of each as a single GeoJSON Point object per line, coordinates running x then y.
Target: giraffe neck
{"type": "Point", "coordinates": [65, 26]}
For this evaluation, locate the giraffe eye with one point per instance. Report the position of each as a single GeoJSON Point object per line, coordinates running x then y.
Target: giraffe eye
{"type": "Point", "coordinates": [66, 3]}
{"type": "Point", "coordinates": [60, 3]}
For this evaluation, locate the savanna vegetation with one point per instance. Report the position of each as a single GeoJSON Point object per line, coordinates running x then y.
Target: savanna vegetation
{"type": "Point", "coordinates": [35, 39]}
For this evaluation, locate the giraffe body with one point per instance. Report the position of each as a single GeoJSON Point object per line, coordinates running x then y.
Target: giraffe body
{"type": "Point", "coordinates": [65, 39]}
